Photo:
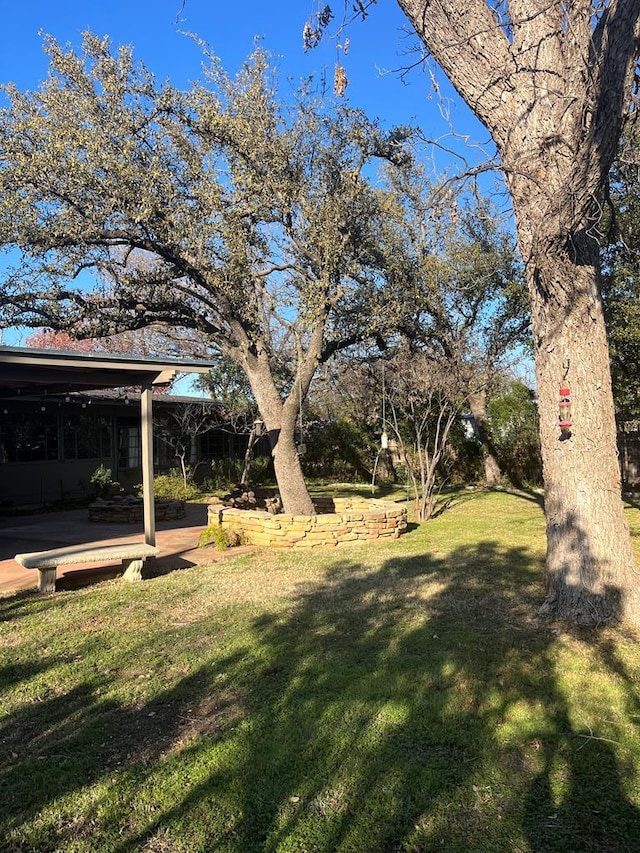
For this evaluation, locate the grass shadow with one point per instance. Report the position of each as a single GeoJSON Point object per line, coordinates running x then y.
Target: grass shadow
{"type": "Point", "coordinates": [417, 705]}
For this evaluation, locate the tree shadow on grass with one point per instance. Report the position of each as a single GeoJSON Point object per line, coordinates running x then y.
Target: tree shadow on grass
{"type": "Point", "coordinates": [402, 710]}
{"type": "Point", "coordinates": [415, 707]}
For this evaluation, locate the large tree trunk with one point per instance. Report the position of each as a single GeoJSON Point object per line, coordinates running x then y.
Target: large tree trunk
{"type": "Point", "coordinates": [482, 430]}
{"type": "Point", "coordinates": [552, 84]}
{"type": "Point", "coordinates": [591, 577]}
{"type": "Point", "coordinates": [286, 461]}
{"type": "Point", "coordinates": [280, 421]}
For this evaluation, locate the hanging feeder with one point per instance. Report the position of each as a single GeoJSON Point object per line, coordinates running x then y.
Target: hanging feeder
{"type": "Point", "coordinates": [384, 441]}
{"type": "Point", "coordinates": [564, 410]}
{"type": "Point", "coordinates": [258, 428]}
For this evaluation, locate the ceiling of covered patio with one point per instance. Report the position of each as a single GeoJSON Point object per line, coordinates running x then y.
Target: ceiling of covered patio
{"type": "Point", "coordinates": [30, 373]}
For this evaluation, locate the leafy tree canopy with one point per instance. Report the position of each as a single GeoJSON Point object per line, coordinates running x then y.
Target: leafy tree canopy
{"type": "Point", "coordinates": [219, 210]}
{"type": "Point", "coordinates": [202, 209]}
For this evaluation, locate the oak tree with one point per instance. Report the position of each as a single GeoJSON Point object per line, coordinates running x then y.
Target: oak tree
{"type": "Point", "coordinates": [554, 82]}
{"type": "Point", "coordinates": [458, 292]}
{"type": "Point", "coordinates": [220, 209]}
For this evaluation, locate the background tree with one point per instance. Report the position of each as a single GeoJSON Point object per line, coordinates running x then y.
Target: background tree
{"type": "Point", "coordinates": [344, 422]}
{"type": "Point", "coordinates": [553, 83]}
{"type": "Point", "coordinates": [423, 404]}
{"type": "Point", "coordinates": [621, 283]}
{"type": "Point", "coordinates": [48, 339]}
{"type": "Point", "coordinates": [456, 292]}
{"type": "Point", "coordinates": [218, 210]}
{"type": "Point", "coordinates": [344, 419]}
{"type": "Point", "coordinates": [180, 426]}
{"type": "Point", "coordinates": [147, 341]}
{"type": "Point", "coordinates": [228, 385]}
{"type": "Point", "coordinates": [621, 292]}
{"type": "Point", "coordinates": [513, 413]}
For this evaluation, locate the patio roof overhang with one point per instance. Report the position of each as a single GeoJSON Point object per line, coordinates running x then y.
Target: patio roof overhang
{"type": "Point", "coordinates": [26, 372]}
{"type": "Point", "coordinates": [30, 373]}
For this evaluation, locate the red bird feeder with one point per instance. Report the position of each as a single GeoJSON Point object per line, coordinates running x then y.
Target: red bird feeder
{"type": "Point", "coordinates": [564, 408]}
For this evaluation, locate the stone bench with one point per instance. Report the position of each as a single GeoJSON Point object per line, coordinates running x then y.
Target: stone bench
{"type": "Point", "coordinates": [131, 554]}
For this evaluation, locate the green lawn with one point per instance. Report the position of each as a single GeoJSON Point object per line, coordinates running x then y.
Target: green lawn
{"type": "Point", "coordinates": [377, 698]}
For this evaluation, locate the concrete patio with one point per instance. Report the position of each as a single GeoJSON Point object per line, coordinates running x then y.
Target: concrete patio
{"type": "Point", "coordinates": [177, 540]}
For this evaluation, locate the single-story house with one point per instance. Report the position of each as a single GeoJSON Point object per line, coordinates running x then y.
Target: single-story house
{"type": "Point", "coordinates": [63, 414]}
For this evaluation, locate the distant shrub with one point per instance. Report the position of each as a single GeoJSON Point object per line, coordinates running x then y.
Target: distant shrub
{"type": "Point", "coordinates": [514, 426]}
{"type": "Point", "coordinates": [261, 470]}
{"type": "Point", "coordinates": [227, 472]}
{"type": "Point", "coordinates": [103, 483]}
{"type": "Point", "coordinates": [342, 449]}
{"type": "Point", "coordinates": [173, 487]}
{"type": "Point", "coordinates": [221, 537]}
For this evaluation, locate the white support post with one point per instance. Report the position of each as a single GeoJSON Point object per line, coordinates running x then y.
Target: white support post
{"type": "Point", "coordinates": [146, 432]}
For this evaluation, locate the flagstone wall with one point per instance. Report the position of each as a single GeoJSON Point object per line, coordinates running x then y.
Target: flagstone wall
{"type": "Point", "coordinates": [338, 521]}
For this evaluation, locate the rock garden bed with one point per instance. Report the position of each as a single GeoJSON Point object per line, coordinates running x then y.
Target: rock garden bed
{"type": "Point", "coordinates": [129, 509]}
{"type": "Point", "coordinates": [339, 521]}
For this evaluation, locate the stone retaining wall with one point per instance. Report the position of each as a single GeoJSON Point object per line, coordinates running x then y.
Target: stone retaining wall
{"type": "Point", "coordinates": [132, 511]}
{"type": "Point", "coordinates": [339, 521]}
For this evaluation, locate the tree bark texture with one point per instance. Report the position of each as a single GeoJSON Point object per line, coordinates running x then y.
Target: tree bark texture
{"type": "Point", "coordinates": [247, 455]}
{"type": "Point", "coordinates": [591, 576]}
{"type": "Point", "coordinates": [280, 418]}
{"type": "Point", "coordinates": [553, 87]}
{"type": "Point", "coordinates": [478, 407]}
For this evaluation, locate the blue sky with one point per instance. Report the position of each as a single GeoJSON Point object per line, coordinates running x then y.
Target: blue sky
{"type": "Point", "coordinates": [157, 30]}
{"type": "Point", "coordinates": [378, 46]}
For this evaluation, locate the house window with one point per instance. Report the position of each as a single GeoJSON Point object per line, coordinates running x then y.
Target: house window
{"type": "Point", "coordinates": [129, 445]}
{"type": "Point", "coordinates": [29, 438]}
{"type": "Point", "coordinates": [86, 437]}
{"type": "Point", "coordinates": [220, 445]}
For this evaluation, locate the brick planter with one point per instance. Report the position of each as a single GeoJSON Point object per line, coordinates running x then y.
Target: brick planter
{"type": "Point", "coordinates": [339, 521]}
